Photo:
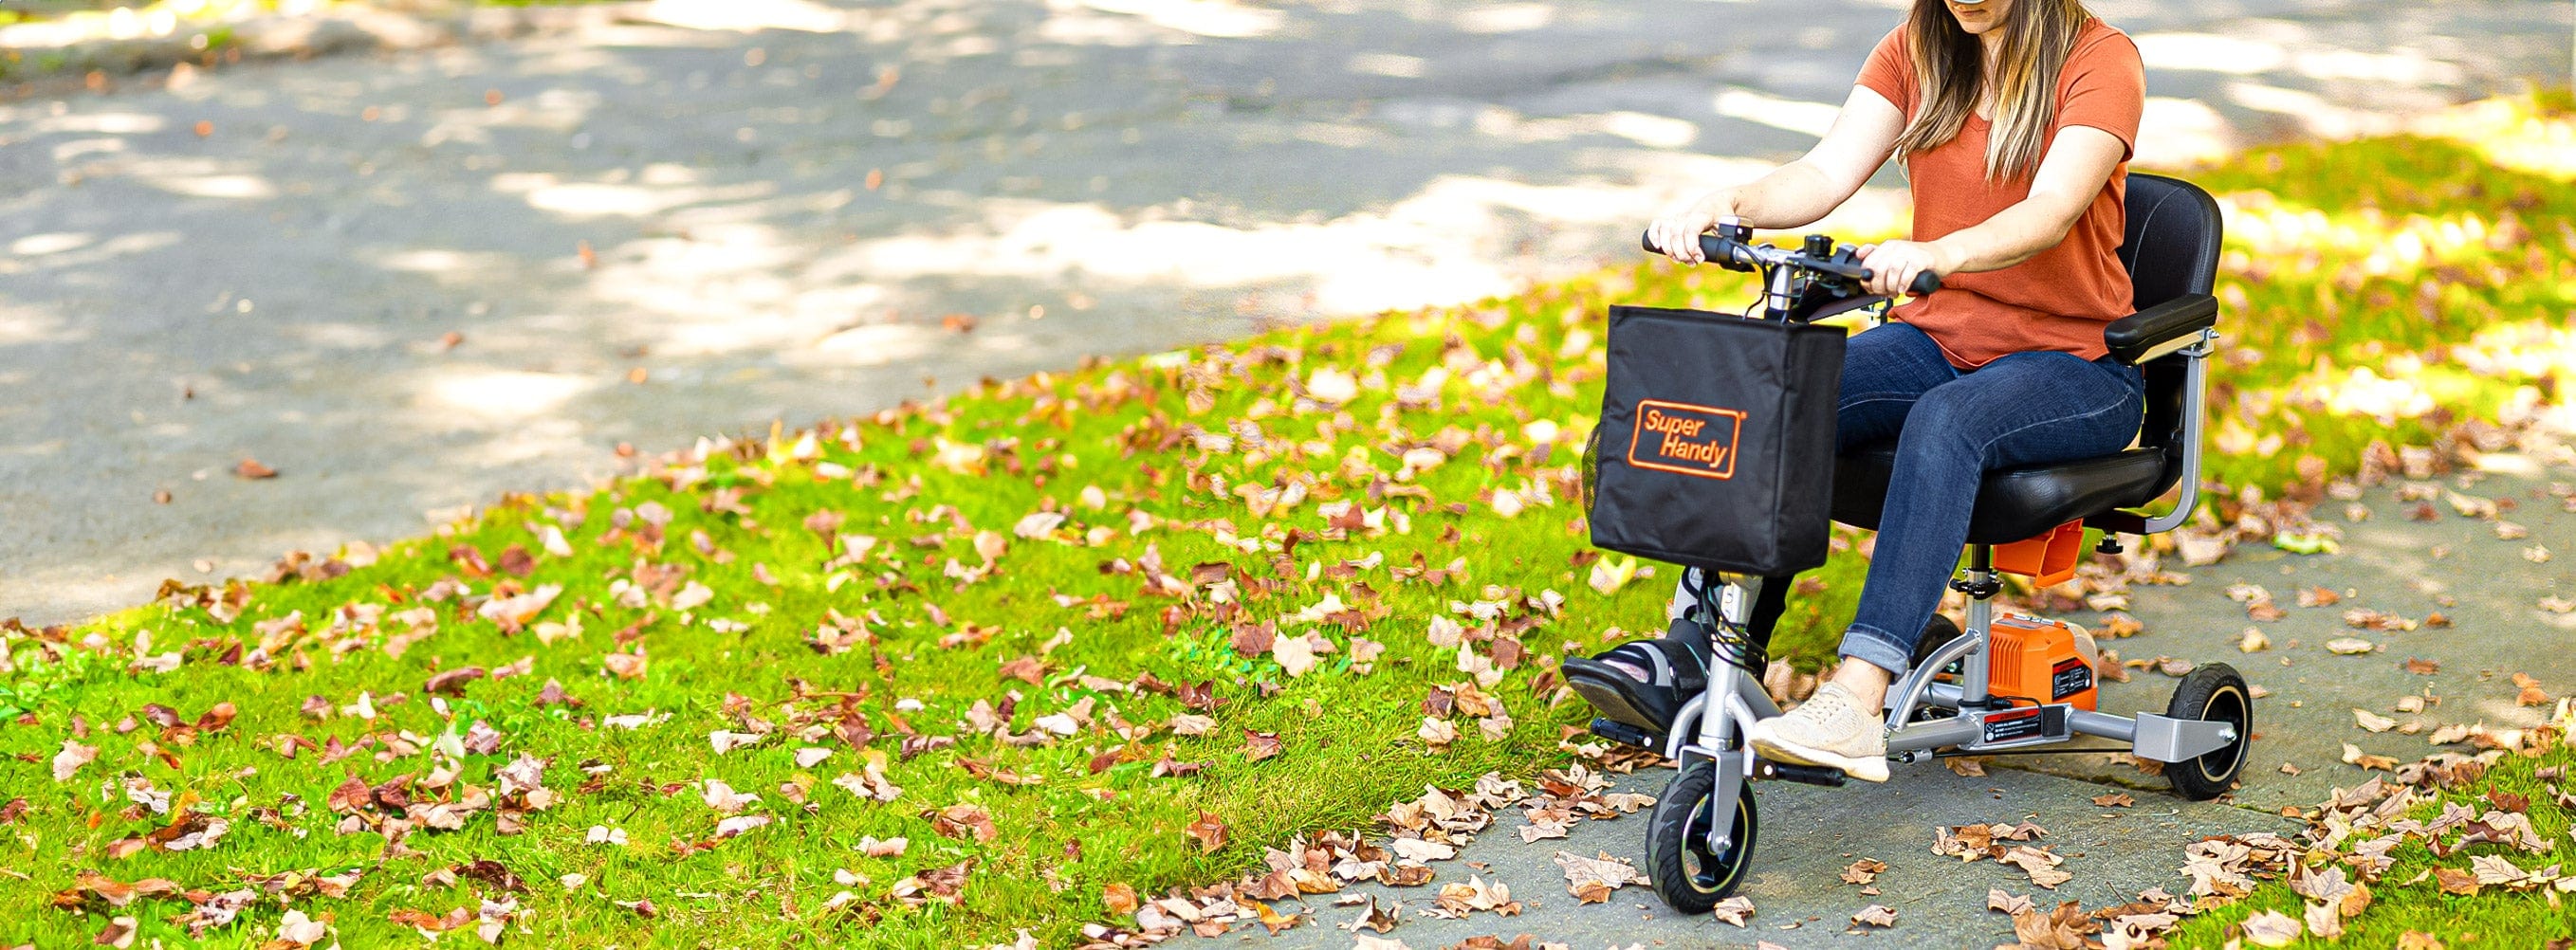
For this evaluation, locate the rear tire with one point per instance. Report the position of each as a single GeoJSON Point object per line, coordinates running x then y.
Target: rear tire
{"type": "Point", "coordinates": [2212, 692]}
{"type": "Point", "coordinates": [1937, 634]}
{"type": "Point", "coordinates": [1678, 863]}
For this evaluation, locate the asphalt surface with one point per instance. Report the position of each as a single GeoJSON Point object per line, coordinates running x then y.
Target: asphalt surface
{"type": "Point", "coordinates": [2497, 599]}
{"type": "Point", "coordinates": [267, 262]}
{"type": "Point", "coordinates": [410, 282]}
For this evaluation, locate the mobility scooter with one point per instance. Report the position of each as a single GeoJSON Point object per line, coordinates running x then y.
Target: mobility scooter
{"type": "Point", "coordinates": [2007, 683]}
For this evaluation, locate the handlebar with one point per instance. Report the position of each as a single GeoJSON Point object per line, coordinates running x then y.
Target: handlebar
{"type": "Point", "coordinates": [1737, 254]}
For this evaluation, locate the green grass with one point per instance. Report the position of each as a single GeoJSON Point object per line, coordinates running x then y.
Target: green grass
{"type": "Point", "coordinates": [2406, 898]}
{"type": "Point", "coordinates": [925, 481]}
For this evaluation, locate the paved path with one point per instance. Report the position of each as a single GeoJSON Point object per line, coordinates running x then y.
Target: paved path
{"type": "Point", "coordinates": [266, 262]}
{"type": "Point", "coordinates": [1809, 835]}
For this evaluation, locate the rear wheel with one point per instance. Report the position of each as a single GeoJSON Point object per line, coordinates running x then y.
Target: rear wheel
{"type": "Point", "coordinates": [1936, 635]}
{"type": "Point", "coordinates": [2212, 692]}
{"type": "Point", "coordinates": [1683, 871]}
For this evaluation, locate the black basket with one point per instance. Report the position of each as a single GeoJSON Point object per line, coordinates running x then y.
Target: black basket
{"type": "Point", "coordinates": [1716, 443]}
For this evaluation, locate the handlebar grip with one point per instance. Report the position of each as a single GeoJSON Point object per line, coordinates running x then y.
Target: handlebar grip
{"type": "Point", "coordinates": [1715, 248]}
{"type": "Point", "coordinates": [1924, 283]}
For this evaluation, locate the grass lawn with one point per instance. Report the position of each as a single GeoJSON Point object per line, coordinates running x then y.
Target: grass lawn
{"type": "Point", "coordinates": [1041, 630]}
{"type": "Point", "coordinates": [2440, 897]}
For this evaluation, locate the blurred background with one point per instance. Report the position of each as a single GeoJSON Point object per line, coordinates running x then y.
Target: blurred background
{"type": "Point", "coordinates": [284, 275]}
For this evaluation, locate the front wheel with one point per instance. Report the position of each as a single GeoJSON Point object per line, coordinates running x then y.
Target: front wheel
{"type": "Point", "coordinates": [2212, 692]}
{"type": "Point", "coordinates": [1678, 863]}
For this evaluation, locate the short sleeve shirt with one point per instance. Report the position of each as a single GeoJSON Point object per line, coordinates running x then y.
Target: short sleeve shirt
{"type": "Point", "coordinates": [2061, 298]}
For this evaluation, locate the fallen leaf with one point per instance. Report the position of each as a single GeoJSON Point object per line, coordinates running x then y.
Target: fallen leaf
{"type": "Point", "coordinates": [1875, 915]}
{"type": "Point", "coordinates": [1119, 898]}
{"type": "Point", "coordinates": [1591, 880]}
{"type": "Point", "coordinates": [2349, 646]}
{"type": "Point", "coordinates": [2455, 881]}
{"type": "Point", "coordinates": [2272, 928]}
{"type": "Point", "coordinates": [251, 469]}
{"type": "Point", "coordinates": [2371, 721]}
{"type": "Point", "coordinates": [2352, 755]}
{"type": "Point", "coordinates": [1863, 871]}
{"type": "Point", "coordinates": [2014, 904]}
{"type": "Point", "coordinates": [1259, 745]}
{"type": "Point", "coordinates": [1209, 830]}
{"type": "Point", "coordinates": [2114, 800]}
{"type": "Point", "coordinates": [1733, 910]}
{"type": "Point", "coordinates": [1295, 655]}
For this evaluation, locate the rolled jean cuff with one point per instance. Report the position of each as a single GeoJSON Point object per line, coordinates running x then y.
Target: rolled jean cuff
{"type": "Point", "coordinates": [1877, 648]}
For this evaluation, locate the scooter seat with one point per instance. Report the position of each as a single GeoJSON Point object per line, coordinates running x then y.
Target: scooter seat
{"type": "Point", "coordinates": [2012, 503]}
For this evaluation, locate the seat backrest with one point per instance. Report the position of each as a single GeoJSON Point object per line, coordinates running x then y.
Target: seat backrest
{"type": "Point", "coordinates": [2170, 249]}
{"type": "Point", "coordinates": [2171, 244]}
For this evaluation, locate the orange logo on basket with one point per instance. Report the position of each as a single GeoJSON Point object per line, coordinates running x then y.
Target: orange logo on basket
{"type": "Point", "coordinates": [1683, 438]}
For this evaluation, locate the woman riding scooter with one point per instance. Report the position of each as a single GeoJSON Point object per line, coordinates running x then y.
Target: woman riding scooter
{"type": "Point", "coordinates": [2014, 121]}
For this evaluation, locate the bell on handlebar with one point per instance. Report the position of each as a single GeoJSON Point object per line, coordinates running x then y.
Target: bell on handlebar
{"type": "Point", "coordinates": [1819, 245]}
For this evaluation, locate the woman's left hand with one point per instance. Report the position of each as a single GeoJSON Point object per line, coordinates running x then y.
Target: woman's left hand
{"type": "Point", "coordinates": [1892, 265]}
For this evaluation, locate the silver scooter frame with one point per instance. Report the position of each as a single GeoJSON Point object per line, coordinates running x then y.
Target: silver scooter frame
{"type": "Point", "coordinates": [1740, 701]}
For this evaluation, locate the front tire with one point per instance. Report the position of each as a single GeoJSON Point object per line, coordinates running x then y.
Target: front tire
{"type": "Point", "coordinates": [1678, 863]}
{"type": "Point", "coordinates": [2212, 692]}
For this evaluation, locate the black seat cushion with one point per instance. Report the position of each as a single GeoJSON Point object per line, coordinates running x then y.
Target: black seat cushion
{"type": "Point", "coordinates": [2012, 503]}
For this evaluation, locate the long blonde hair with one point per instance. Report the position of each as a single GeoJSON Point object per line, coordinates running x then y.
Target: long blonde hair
{"type": "Point", "coordinates": [1949, 69]}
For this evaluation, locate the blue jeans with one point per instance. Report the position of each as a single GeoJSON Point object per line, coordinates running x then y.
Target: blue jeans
{"type": "Point", "coordinates": [1950, 427]}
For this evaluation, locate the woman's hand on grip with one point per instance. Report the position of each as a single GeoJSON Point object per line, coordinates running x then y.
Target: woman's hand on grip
{"type": "Point", "coordinates": [1677, 233]}
{"type": "Point", "coordinates": [1892, 265]}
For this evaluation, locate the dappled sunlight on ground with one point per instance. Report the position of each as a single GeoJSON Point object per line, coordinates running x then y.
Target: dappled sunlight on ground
{"type": "Point", "coordinates": [500, 260]}
{"type": "Point", "coordinates": [747, 15]}
{"type": "Point", "coordinates": [1209, 18]}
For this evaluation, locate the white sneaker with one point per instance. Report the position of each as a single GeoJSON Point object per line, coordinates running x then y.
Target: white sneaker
{"type": "Point", "coordinates": [1831, 729]}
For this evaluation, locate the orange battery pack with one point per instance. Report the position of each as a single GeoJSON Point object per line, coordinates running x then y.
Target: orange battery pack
{"type": "Point", "coordinates": [2041, 660]}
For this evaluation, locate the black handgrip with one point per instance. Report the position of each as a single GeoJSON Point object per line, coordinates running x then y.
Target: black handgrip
{"type": "Point", "coordinates": [1716, 249]}
{"type": "Point", "coordinates": [1924, 282]}
{"type": "Point", "coordinates": [1711, 247]}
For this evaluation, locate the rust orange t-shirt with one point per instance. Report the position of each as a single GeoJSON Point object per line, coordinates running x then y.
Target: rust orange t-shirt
{"type": "Point", "coordinates": [2061, 298]}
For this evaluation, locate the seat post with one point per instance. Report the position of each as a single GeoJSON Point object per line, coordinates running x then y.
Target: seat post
{"type": "Point", "coordinates": [1980, 586]}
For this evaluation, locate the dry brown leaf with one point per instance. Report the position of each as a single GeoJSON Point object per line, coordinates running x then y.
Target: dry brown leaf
{"type": "Point", "coordinates": [1875, 915]}
{"type": "Point", "coordinates": [2271, 928]}
{"type": "Point", "coordinates": [1591, 880]}
{"type": "Point", "coordinates": [2352, 755]}
{"type": "Point", "coordinates": [2014, 904]}
{"type": "Point", "coordinates": [2456, 881]}
{"type": "Point", "coordinates": [1863, 871]}
{"type": "Point", "coordinates": [1733, 910]}
{"type": "Point", "coordinates": [1209, 830]}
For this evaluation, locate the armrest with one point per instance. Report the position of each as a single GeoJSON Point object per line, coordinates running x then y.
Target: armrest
{"type": "Point", "coordinates": [2144, 335]}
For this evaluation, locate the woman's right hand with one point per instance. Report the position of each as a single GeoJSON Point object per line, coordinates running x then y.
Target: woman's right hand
{"type": "Point", "coordinates": [1677, 233]}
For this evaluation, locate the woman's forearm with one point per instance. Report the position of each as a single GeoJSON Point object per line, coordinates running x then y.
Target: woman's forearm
{"type": "Point", "coordinates": [1791, 196]}
{"type": "Point", "coordinates": [2013, 235]}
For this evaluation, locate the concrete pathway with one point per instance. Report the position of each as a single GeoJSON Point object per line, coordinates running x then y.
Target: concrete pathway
{"type": "Point", "coordinates": [411, 282]}
{"type": "Point", "coordinates": [2487, 587]}
{"type": "Point", "coordinates": [1809, 835]}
